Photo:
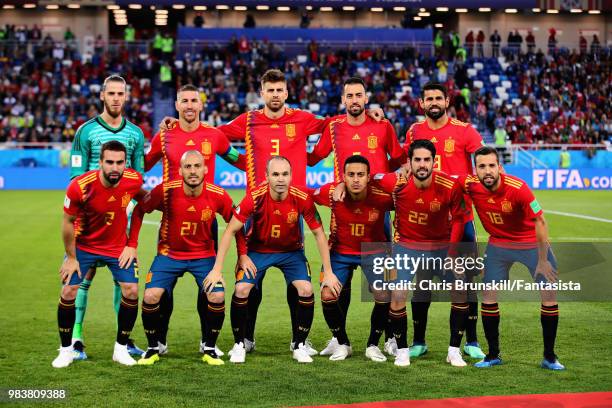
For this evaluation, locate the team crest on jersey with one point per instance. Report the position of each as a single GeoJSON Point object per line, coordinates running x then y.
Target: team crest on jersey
{"type": "Point", "coordinates": [290, 130]}
{"type": "Point", "coordinates": [206, 148]}
{"type": "Point", "coordinates": [373, 215]}
{"type": "Point", "coordinates": [206, 214]}
{"type": "Point", "coordinates": [506, 206]}
{"type": "Point", "coordinates": [292, 217]}
{"type": "Point", "coordinates": [449, 146]}
{"type": "Point", "coordinates": [125, 200]}
{"type": "Point", "coordinates": [372, 142]}
{"type": "Point", "coordinates": [434, 206]}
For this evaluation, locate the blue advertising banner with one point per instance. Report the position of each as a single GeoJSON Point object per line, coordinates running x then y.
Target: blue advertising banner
{"type": "Point", "coordinates": [355, 35]}
{"type": "Point", "coordinates": [229, 177]}
{"type": "Point", "coordinates": [564, 179]}
{"type": "Point", "coordinates": [226, 176]}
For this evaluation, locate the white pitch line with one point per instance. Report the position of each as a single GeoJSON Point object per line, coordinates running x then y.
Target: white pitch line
{"type": "Point", "coordinates": [584, 217]}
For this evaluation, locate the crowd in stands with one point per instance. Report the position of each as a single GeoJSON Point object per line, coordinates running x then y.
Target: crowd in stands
{"type": "Point", "coordinates": [558, 97]}
{"type": "Point", "coordinates": [48, 89]}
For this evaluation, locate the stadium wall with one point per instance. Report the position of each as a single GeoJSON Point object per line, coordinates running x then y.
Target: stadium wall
{"type": "Point", "coordinates": [214, 19]}
{"type": "Point", "coordinates": [82, 22]}
{"type": "Point", "coordinates": [567, 27]}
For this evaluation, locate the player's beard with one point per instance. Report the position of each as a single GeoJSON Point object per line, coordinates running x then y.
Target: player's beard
{"type": "Point", "coordinates": [274, 108]}
{"type": "Point", "coordinates": [419, 176]}
{"type": "Point", "coordinates": [356, 112]}
{"type": "Point", "coordinates": [113, 177]}
{"type": "Point", "coordinates": [192, 119]}
{"type": "Point", "coordinates": [487, 181]}
{"type": "Point", "coordinates": [193, 184]}
{"type": "Point", "coordinates": [110, 110]}
{"type": "Point", "coordinates": [435, 115]}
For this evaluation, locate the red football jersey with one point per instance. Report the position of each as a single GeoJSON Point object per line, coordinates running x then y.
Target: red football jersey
{"type": "Point", "coordinates": [101, 211]}
{"type": "Point", "coordinates": [264, 137]}
{"type": "Point", "coordinates": [170, 145]}
{"type": "Point", "coordinates": [455, 142]}
{"type": "Point", "coordinates": [353, 222]}
{"type": "Point", "coordinates": [185, 228]}
{"type": "Point", "coordinates": [507, 214]}
{"type": "Point", "coordinates": [276, 224]}
{"type": "Point", "coordinates": [374, 140]}
{"type": "Point", "coordinates": [431, 215]}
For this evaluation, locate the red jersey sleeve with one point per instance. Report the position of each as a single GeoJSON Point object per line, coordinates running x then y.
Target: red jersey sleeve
{"type": "Point", "coordinates": [311, 215]}
{"type": "Point", "coordinates": [385, 182]}
{"type": "Point", "coordinates": [397, 155]}
{"type": "Point", "coordinates": [154, 154]}
{"type": "Point", "coordinates": [223, 145]}
{"type": "Point", "coordinates": [529, 203]}
{"type": "Point", "coordinates": [315, 124]}
{"type": "Point", "coordinates": [473, 140]}
{"type": "Point", "coordinates": [73, 199]}
{"type": "Point", "coordinates": [321, 195]}
{"type": "Point", "coordinates": [322, 149]}
{"type": "Point", "coordinates": [245, 208]}
{"type": "Point", "coordinates": [152, 201]}
{"type": "Point", "coordinates": [235, 129]}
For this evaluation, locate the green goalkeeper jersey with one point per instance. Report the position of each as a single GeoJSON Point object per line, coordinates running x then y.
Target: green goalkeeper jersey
{"type": "Point", "coordinates": [90, 137]}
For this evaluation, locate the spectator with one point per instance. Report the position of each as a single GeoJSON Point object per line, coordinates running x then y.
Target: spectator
{"type": "Point", "coordinates": [305, 20]}
{"type": "Point", "coordinates": [495, 40]}
{"type": "Point", "coordinates": [167, 47]}
{"type": "Point", "coordinates": [68, 35]}
{"type": "Point", "coordinates": [480, 38]}
{"type": "Point", "coordinates": [469, 43]}
{"type": "Point", "coordinates": [198, 20]}
{"type": "Point", "coordinates": [564, 158]}
{"type": "Point", "coordinates": [249, 21]}
{"type": "Point", "coordinates": [129, 34]}
{"type": "Point", "coordinates": [583, 44]}
{"type": "Point", "coordinates": [595, 46]}
{"type": "Point", "coordinates": [552, 41]}
{"type": "Point", "coordinates": [530, 41]}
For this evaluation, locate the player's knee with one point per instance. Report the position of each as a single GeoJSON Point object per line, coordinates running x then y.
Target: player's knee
{"type": "Point", "coordinates": [129, 290]}
{"type": "Point", "coordinates": [242, 290]}
{"type": "Point", "coordinates": [383, 296]}
{"type": "Point", "coordinates": [152, 296]}
{"type": "Point", "coordinates": [421, 296]}
{"type": "Point", "coordinates": [327, 295]}
{"type": "Point", "coordinates": [489, 296]}
{"type": "Point", "coordinates": [304, 289]}
{"type": "Point", "coordinates": [69, 292]}
{"type": "Point", "coordinates": [549, 297]}
{"type": "Point", "coordinates": [216, 297]}
{"type": "Point", "coordinates": [91, 273]}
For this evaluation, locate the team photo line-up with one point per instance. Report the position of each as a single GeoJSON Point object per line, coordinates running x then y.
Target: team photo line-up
{"type": "Point", "coordinates": [429, 183]}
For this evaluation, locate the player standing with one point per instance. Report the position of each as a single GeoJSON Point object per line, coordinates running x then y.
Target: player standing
{"type": "Point", "coordinates": [423, 205]}
{"type": "Point", "coordinates": [189, 133]}
{"type": "Point", "coordinates": [85, 156]}
{"type": "Point", "coordinates": [454, 141]}
{"type": "Point", "coordinates": [357, 219]}
{"type": "Point", "coordinates": [356, 133]}
{"type": "Point", "coordinates": [275, 240]}
{"type": "Point", "coordinates": [94, 231]}
{"type": "Point", "coordinates": [185, 244]}
{"type": "Point", "coordinates": [518, 233]}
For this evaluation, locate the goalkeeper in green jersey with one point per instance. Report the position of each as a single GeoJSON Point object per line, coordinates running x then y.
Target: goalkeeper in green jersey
{"type": "Point", "coordinates": [84, 156]}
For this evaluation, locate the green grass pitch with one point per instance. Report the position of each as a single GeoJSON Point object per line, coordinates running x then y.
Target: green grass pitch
{"type": "Point", "coordinates": [31, 250]}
